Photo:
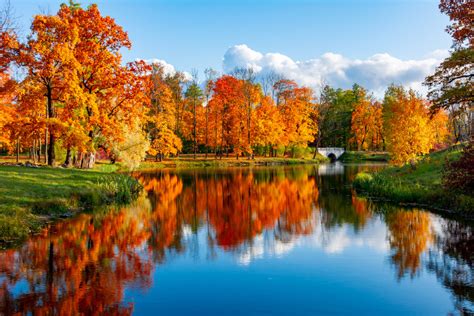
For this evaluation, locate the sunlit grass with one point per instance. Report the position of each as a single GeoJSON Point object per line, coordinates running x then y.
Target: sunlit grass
{"type": "Point", "coordinates": [29, 197]}
{"type": "Point", "coordinates": [357, 156]}
{"type": "Point", "coordinates": [421, 184]}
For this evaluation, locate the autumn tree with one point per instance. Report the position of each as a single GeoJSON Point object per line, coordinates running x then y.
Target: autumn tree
{"type": "Point", "coordinates": [461, 14]}
{"type": "Point", "coordinates": [8, 36]}
{"type": "Point", "coordinates": [298, 110]}
{"type": "Point", "coordinates": [175, 82]}
{"type": "Point", "coordinates": [162, 116]}
{"type": "Point", "coordinates": [451, 87]}
{"type": "Point", "coordinates": [49, 60]}
{"type": "Point", "coordinates": [7, 110]}
{"type": "Point", "coordinates": [267, 81]}
{"type": "Point", "coordinates": [366, 123]}
{"type": "Point", "coordinates": [166, 143]}
{"type": "Point", "coordinates": [251, 94]}
{"type": "Point", "coordinates": [72, 60]}
{"type": "Point", "coordinates": [408, 128]}
{"type": "Point", "coordinates": [226, 110]}
{"type": "Point", "coordinates": [208, 89]}
{"type": "Point", "coordinates": [268, 126]}
{"type": "Point", "coordinates": [194, 96]}
{"type": "Point", "coordinates": [112, 96]}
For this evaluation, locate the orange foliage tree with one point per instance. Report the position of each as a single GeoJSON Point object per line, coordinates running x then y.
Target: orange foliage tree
{"type": "Point", "coordinates": [162, 116]}
{"type": "Point", "coordinates": [72, 61]}
{"type": "Point", "coordinates": [366, 123]}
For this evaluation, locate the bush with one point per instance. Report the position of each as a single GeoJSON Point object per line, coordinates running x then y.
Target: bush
{"type": "Point", "coordinates": [119, 188]}
{"type": "Point", "coordinates": [459, 175]}
{"type": "Point", "coordinates": [363, 181]}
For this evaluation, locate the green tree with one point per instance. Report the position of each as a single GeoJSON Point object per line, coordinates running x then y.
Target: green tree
{"type": "Point", "coordinates": [195, 96]}
{"type": "Point", "coordinates": [337, 106]}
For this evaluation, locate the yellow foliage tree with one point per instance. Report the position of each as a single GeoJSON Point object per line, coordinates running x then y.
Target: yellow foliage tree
{"type": "Point", "coordinates": [408, 127]}
{"type": "Point", "coordinates": [299, 112]}
{"type": "Point", "coordinates": [166, 143]}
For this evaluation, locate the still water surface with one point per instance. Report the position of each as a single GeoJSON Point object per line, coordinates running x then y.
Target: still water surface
{"type": "Point", "coordinates": [261, 241]}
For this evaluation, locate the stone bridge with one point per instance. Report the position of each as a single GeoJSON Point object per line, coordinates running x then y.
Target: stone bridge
{"type": "Point", "coordinates": [331, 152]}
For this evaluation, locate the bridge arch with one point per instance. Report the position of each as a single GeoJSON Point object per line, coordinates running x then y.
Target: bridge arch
{"type": "Point", "coordinates": [332, 153]}
{"type": "Point", "coordinates": [332, 156]}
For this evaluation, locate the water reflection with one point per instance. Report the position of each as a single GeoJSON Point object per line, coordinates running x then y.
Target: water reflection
{"type": "Point", "coordinates": [86, 264]}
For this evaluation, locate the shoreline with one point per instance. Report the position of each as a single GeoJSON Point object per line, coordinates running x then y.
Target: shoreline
{"type": "Point", "coordinates": [35, 196]}
{"type": "Point", "coordinates": [418, 186]}
{"type": "Point", "coordinates": [186, 163]}
{"type": "Point", "coordinates": [32, 198]}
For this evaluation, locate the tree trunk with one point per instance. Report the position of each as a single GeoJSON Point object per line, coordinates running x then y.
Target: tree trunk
{"type": "Point", "coordinates": [46, 146]}
{"type": "Point", "coordinates": [248, 128]}
{"type": "Point", "coordinates": [86, 160]}
{"type": "Point", "coordinates": [51, 153]}
{"type": "Point", "coordinates": [33, 149]}
{"type": "Point", "coordinates": [52, 138]}
{"type": "Point", "coordinates": [207, 129]}
{"type": "Point", "coordinates": [39, 148]}
{"type": "Point", "coordinates": [18, 150]}
{"type": "Point", "coordinates": [194, 129]}
{"type": "Point", "coordinates": [68, 162]}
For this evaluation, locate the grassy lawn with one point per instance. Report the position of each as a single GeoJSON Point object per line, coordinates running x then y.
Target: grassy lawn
{"type": "Point", "coordinates": [359, 156]}
{"type": "Point", "coordinates": [420, 185]}
{"type": "Point", "coordinates": [30, 197]}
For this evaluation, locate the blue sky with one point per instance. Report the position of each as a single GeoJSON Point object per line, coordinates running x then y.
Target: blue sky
{"type": "Point", "coordinates": [197, 34]}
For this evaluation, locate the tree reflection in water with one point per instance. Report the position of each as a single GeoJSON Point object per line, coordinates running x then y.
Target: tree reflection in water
{"type": "Point", "coordinates": [84, 265]}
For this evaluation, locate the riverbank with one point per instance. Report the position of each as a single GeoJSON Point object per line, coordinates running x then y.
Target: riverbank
{"type": "Point", "coordinates": [187, 161]}
{"type": "Point", "coordinates": [361, 156]}
{"type": "Point", "coordinates": [419, 186]}
{"type": "Point", "coordinates": [32, 197]}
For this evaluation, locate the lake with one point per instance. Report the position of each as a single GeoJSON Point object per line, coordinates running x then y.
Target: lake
{"type": "Point", "coordinates": [245, 241]}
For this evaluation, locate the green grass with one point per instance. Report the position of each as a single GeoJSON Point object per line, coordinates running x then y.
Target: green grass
{"type": "Point", "coordinates": [419, 185]}
{"type": "Point", "coordinates": [359, 156]}
{"type": "Point", "coordinates": [31, 197]}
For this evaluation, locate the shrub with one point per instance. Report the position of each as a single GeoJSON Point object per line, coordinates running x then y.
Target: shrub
{"type": "Point", "coordinates": [459, 175]}
{"type": "Point", "coordinates": [119, 188]}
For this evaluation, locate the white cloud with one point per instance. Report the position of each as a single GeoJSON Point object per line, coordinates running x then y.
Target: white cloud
{"type": "Point", "coordinates": [374, 73]}
{"type": "Point", "coordinates": [167, 67]}
{"type": "Point", "coordinates": [337, 239]}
